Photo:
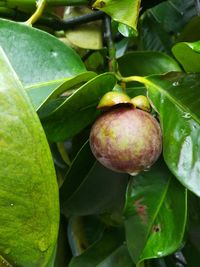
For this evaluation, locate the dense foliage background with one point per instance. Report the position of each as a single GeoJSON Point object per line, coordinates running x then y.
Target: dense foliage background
{"type": "Point", "coordinates": [71, 211]}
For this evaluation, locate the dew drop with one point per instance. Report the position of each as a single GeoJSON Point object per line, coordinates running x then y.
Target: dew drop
{"type": "Point", "coordinates": [134, 173]}
{"type": "Point", "coordinates": [11, 204]}
{"type": "Point", "coordinates": [147, 169]}
{"type": "Point", "coordinates": [54, 54]}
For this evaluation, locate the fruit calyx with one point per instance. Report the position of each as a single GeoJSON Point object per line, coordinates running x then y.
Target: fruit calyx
{"type": "Point", "coordinates": [112, 99]}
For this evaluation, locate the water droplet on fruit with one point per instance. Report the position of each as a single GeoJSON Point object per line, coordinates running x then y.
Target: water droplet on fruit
{"type": "Point", "coordinates": [147, 169]}
{"type": "Point", "coordinates": [43, 244]}
{"type": "Point", "coordinates": [175, 83]}
{"type": "Point", "coordinates": [134, 173]}
{"type": "Point", "coordinates": [11, 204]}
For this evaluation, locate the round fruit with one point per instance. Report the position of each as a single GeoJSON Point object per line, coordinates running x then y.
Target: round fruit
{"type": "Point", "coordinates": [126, 139]}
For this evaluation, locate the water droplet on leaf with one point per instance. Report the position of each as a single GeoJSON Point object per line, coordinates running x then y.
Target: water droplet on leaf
{"type": "Point", "coordinates": [186, 115]}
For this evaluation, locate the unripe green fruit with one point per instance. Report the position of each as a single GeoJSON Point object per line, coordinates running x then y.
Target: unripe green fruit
{"type": "Point", "coordinates": [126, 139]}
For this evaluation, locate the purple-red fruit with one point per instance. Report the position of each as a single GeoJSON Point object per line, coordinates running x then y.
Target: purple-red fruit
{"type": "Point", "coordinates": [126, 139]}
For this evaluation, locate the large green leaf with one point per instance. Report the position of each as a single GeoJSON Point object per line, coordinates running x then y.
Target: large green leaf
{"type": "Point", "coordinates": [83, 232]}
{"type": "Point", "coordinates": [77, 111]}
{"type": "Point", "coordinates": [176, 98]}
{"type": "Point", "coordinates": [119, 258]}
{"type": "Point", "coordinates": [152, 35]}
{"type": "Point", "coordinates": [146, 63]}
{"type": "Point", "coordinates": [80, 167]}
{"type": "Point", "coordinates": [124, 11]}
{"type": "Point", "coordinates": [188, 54]}
{"type": "Point", "coordinates": [161, 24]}
{"type": "Point", "coordinates": [28, 187]}
{"type": "Point", "coordinates": [191, 250]}
{"type": "Point", "coordinates": [99, 251]}
{"type": "Point", "coordinates": [155, 214]}
{"type": "Point", "coordinates": [37, 56]}
{"type": "Point", "coordinates": [90, 188]}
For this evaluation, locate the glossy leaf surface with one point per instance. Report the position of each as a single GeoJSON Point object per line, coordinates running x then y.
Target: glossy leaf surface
{"type": "Point", "coordinates": [84, 191]}
{"type": "Point", "coordinates": [99, 251]}
{"type": "Point", "coordinates": [188, 54]}
{"type": "Point", "coordinates": [29, 192]}
{"type": "Point", "coordinates": [41, 93]}
{"type": "Point", "coordinates": [119, 258]}
{"type": "Point", "coordinates": [83, 232]}
{"type": "Point", "coordinates": [78, 110]}
{"type": "Point", "coordinates": [146, 63]}
{"type": "Point", "coordinates": [124, 11]}
{"type": "Point", "coordinates": [155, 214]}
{"type": "Point", "coordinates": [37, 61]}
{"type": "Point", "coordinates": [176, 98]}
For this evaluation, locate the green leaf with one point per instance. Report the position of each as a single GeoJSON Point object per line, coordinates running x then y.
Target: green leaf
{"type": "Point", "coordinates": [99, 251]}
{"type": "Point", "coordinates": [146, 63]}
{"type": "Point", "coordinates": [28, 187]}
{"type": "Point", "coordinates": [119, 258]}
{"type": "Point", "coordinates": [188, 54]}
{"type": "Point", "coordinates": [89, 188]}
{"type": "Point", "coordinates": [156, 210]}
{"type": "Point", "coordinates": [190, 32]}
{"type": "Point", "coordinates": [124, 11]}
{"type": "Point", "coordinates": [78, 110]}
{"type": "Point", "coordinates": [191, 249]}
{"type": "Point", "coordinates": [37, 56]}
{"type": "Point", "coordinates": [83, 232]}
{"type": "Point", "coordinates": [42, 93]}
{"type": "Point", "coordinates": [80, 167]}
{"type": "Point", "coordinates": [152, 36]}
{"type": "Point", "coordinates": [176, 98]}
{"type": "Point", "coordinates": [160, 25]}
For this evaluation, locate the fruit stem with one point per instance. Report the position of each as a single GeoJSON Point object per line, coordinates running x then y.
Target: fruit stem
{"type": "Point", "coordinates": [38, 13]}
{"type": "Point", "coordinates": [132, 79]}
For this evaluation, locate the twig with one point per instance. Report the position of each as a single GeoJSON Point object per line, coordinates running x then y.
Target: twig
{"type": "Point", "coordinates": [58, 24]}
{"type": "Point", "coordinates": [110, 44]}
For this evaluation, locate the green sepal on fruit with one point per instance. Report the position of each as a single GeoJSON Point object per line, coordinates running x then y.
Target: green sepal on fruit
{"type": "Point", "coordinates": [141, 102]}
{"type": "Point", "coordinates": [113, 98]}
